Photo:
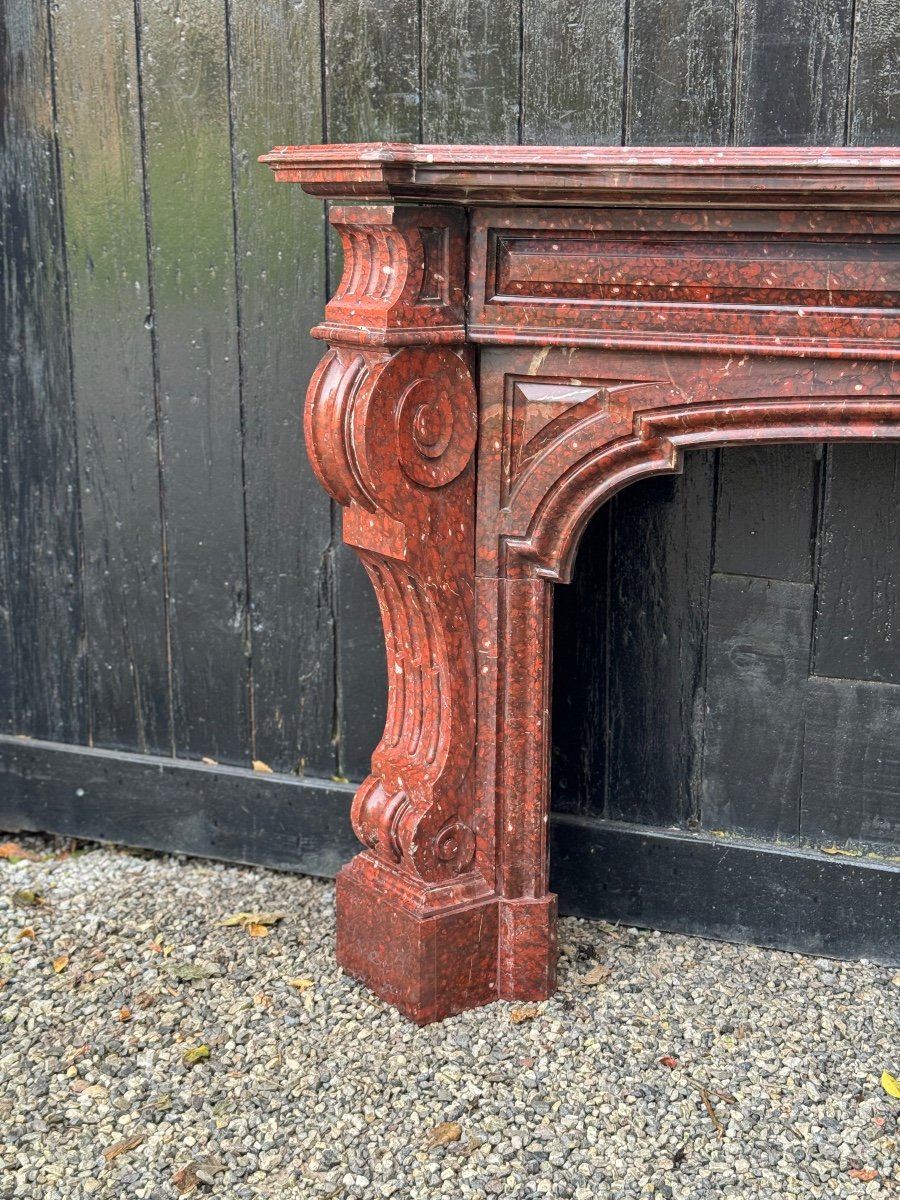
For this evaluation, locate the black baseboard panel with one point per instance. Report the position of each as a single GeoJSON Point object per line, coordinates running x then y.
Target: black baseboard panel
{"type": "Point", "coordinates": [738, 891]}
{"type": "Point", "coordinates": [176, 805]}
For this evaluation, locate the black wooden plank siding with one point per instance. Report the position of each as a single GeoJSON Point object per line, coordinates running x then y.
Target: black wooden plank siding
{"type": "Point", "coordinates": [42, 682]}
{"type": "Point", "coordinates": [276, 87]}
{"type": "Point", "coordinates": [573, 72]}
{"type": "Point", "coordinates": [858, 603]}
{"type": "Point", "coordinates": [111, 317]}
{"type": "Point", "coordinates": [766, 512]}
{"type": "Point", "coordinates": [680, 81]}
{"type": "Point", "coordinates": [184, 61]}
{"type": "Point", "coordinates": [172, 580]}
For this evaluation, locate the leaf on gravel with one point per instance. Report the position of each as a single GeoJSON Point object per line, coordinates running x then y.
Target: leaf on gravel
{"type": "Point", "coordinates": [198, 1170]}
{"type": "Point", "coordinates": [187, 972]}
{"type": "Point", "coordinates": [864, 1175]}
{"type": "Point", "coordinates": [125, 1014]}
{"type": "Point", "coordinates": [185, 1180]}
{"type": "Point", "coordinates": [144, 999]}
{"type": "Point", "coordinates": [3, 983]}
{"type": "Point", "coordinates": [262, 767]}
{"type": "Point", "coordinates": [27, 932]}
{"type": "Point", "coordinates": [526, 1013]}
{"type": "Point", "coordinates": [301, 984]}
{"type": "Point", "coordinates": [14, 852]}
{"type": "Point", "coordinates": [890, 1084]}
{"type": "Point", "coordinates": [26, 898]}
{"type": "Point", "coordinates": [118, 1148]}
{"type": "Point", "coordinates": [60, 963]}
{"type": "Point", "coordinates": [443, 1135]}
{"type": "Point", "coordinates": [194, 1056]}
{"type": "Point", "coordinates": [595, 975]}
{"type": "Point", "coordinates": [257, 930]}
{"type": "Point", "coordinates": [669, 1061]}
{"type": "Point", "coordinates": [251, 920]}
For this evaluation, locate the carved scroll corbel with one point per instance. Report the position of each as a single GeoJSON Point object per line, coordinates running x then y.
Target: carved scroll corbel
{"type": "Point", "coordinates": [391, 434]}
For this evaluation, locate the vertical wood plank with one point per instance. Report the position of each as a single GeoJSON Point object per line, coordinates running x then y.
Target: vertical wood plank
{"type": "Point", "coordinates": [100, 144]}
{"type": "Point", "coordinates": [874, 100]}
{"type": "Point", "coordinates": [858, 601]}
{"type": "Point", "coordinates": [184, 65]}
{"type": "Point", "coordinates": [851, 767]}
{"type": "Point", "coordinates": [580, 703]}
{"type": "Point", "coordinates": [679, 72]}
{"type": "Point", "coordinates": [573, 65]}
{"type": "Point", "coordinates": [470, 71]}
{"type": "Point", "coordinates": [42, 673]}
{"type": "Point", "coordinates": [766, 511]}
{"type": "Point", "coordinates": [759, 636]}
{"type": "Point", "coordinates": [792, 66]}
{"type": "Point", "coordinates": [372, 64]}
{"type": "Point", "coordinates": [659, 579]}
{"type": "Point", "coordinates": [277, 98]}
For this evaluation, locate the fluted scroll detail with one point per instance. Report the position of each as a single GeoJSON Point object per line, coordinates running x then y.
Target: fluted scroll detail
{"type": "Point", "coordinates": [392, 437]}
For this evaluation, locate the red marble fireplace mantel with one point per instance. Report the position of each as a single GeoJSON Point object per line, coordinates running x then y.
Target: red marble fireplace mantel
{"type": "Point", "coordinates": [519, 332]}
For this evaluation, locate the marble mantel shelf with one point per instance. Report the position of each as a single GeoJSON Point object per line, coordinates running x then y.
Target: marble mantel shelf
{"type": "Point", "coordinates": [520, 332]}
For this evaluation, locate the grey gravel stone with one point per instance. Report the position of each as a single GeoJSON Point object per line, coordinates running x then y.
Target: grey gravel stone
{"type": "Point", "coordinates": [325, 1092]}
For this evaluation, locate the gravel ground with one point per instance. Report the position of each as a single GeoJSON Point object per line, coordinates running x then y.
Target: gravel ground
{"type": "Point", "coordinates": [311, 1088]}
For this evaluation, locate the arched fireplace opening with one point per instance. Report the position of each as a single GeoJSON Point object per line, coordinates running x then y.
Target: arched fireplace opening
{"type": "Point", "coordinates": [726, 698]}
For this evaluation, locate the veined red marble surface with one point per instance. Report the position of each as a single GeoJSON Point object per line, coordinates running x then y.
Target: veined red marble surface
{"type": "Point", "coordinates": [563, 323]}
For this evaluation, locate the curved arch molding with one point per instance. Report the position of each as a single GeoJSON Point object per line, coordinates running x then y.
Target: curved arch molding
{"type": "Point", "coordinates": [527, 332]}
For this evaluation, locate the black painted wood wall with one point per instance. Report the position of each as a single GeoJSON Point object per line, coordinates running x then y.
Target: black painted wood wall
{"type": "Point", "coordinates": [175, 604]}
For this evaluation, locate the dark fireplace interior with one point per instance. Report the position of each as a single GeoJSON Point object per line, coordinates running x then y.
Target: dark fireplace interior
{"type": "Point", "coordinates": [727, 658]}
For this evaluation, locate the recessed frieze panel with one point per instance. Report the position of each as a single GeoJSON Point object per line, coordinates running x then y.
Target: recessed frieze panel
{"type": "Point", "coordinates": [753, 280]}
{"type": "Point", "coordinates": [731, 268]}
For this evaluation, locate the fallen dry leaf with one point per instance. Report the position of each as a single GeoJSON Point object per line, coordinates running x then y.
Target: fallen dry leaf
{"type": "Point", "coordinates": [890, 1084]}
{"type": "Point", "coordinates": [527, 1013]}
{"type": "Point", "coordinates": [124, 1014]}
{"type": "Point", "coordinates": [3, 983]}
{"type": "Point", "coordinates": [13, 851]}
{"type": "Point", "coordinates": [194, 1056]}
{"type": "Point", "coordinates": [144, 999]}
{"type": "Point", "coordinates": [27, 932]}
{"type": "Point", "coordinates": [301, 984]}
{"type": "Point", "coordinates": [250, 920]}
{"type": "Point", "coordinates": [669, 1061]}
{"type": "Point", "coordinates": [595, 975]}
{"type": "Point", "coordinates": [262, 767]}
{"type": "Point", "coordinates": [257, 930]}
{"type": "Point", "coordinates": [198, 1170]}
{"type": "Point", "coordinates": [863, 1175]}
{"type": "Point", "coordinates": [443, 1135]}
{"type": "Point", "coordinates": [118, 1148]}
{"type": "Point", "coordinates": [60, 963]}
{"type": "Point", "coordinates": [186, 1180]}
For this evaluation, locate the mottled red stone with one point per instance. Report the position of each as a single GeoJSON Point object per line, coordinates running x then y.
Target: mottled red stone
{"type": "Point", "coordinates": [659, 300]}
